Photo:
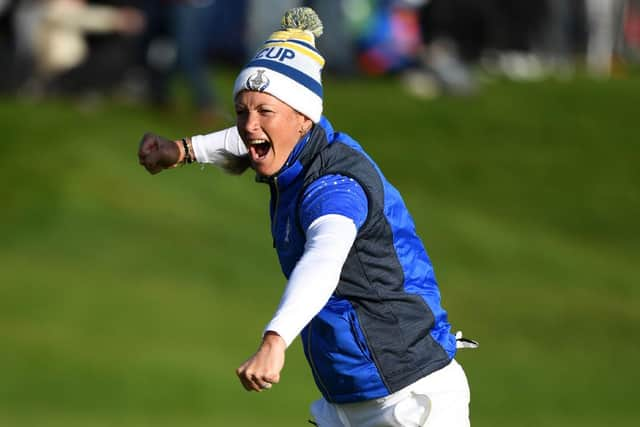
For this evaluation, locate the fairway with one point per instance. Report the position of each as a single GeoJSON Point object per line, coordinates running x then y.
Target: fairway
{"type": "Point", "coordinates": [129, 300]}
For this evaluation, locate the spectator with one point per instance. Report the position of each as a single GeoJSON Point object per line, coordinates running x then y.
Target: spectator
{"type": "Point", "coordinates": [605, 27]}
{"type": "Point", "coordinates": [179, 40]}
{"type": "Point", "coordinates": [55, 38]}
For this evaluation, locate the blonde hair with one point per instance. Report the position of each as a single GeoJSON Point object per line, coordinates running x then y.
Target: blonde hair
{"type": "Point", "coordinates": [233, 164]}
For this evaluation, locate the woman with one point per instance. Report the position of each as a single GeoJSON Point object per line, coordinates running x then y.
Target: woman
{"type": "Point", "coordinates": [361, 290]}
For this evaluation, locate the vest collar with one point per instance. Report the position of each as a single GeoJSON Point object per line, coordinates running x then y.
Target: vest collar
{"type": "Point", "coordinates": [304, 151]}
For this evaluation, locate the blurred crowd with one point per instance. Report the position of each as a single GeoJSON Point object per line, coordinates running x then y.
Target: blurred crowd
{"type": "Point", "coordinates": [134, 49]}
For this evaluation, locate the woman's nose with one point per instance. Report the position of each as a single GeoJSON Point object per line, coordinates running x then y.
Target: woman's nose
{"type": "Point", "coordinates": [252, 122]}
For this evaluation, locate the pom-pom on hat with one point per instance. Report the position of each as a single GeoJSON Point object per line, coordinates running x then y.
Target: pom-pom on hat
{"type": "Point", "coordinates": [288, 66]}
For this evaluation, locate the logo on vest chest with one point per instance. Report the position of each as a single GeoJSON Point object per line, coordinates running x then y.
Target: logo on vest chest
{"type": "Point", "coordinates": [287, 231]}
{"type": "Point", "coordinates": [286, 238]}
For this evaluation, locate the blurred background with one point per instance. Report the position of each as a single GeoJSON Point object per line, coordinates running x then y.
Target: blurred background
{"type": "Point", "coordinates": [511, 129]}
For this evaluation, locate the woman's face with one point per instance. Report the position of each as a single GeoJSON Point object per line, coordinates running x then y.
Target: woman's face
{"type": "Point", "coordinates": [269, 128]}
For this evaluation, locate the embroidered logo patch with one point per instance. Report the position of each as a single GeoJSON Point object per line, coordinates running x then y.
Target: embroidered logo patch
{"type": "Point", "coordinates": [287, 231]}
{"type": "Point", "coordinates": [257, 81]}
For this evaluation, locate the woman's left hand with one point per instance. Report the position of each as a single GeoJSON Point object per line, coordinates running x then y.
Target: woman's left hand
{"type": "Point", "coordinates": [263, 368]}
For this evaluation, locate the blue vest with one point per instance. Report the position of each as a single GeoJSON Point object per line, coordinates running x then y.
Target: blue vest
{"type": "Point", "coordinates": [383, 328]}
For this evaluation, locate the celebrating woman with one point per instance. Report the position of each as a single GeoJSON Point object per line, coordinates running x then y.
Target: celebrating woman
{"type": "Point", "coordinates": [361, 290]}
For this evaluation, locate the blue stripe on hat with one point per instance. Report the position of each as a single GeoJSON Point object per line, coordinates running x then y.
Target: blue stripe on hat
{"type": "Point", "coordinates": [294, 74]}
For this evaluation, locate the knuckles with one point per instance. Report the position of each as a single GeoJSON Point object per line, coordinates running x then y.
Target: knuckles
{"type": "Point", "coordinates": [148, 135]}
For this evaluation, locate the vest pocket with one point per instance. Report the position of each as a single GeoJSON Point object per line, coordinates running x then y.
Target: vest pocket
{"type": "Point", "coordinates": [358, 335]}
{"type": "Point", "coordinates": [337, 351]}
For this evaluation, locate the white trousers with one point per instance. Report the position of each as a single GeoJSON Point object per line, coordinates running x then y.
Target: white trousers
{"type": "Point", "coordinates": [441, 399]}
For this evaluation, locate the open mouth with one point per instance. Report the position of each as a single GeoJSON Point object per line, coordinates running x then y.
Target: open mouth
{"type": "Point", "coordinates": [260, 148]}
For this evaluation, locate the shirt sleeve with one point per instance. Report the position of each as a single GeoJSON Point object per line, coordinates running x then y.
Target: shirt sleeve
{"type": "Point", "coordinates": [315, 276]}
{"type": "Point", "coordinates": [210, 148]}
{"type": "Point", "coordinates": [334, 194]}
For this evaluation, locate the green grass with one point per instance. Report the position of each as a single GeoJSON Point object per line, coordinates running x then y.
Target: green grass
{"type": "Point", "coordinates": [129, 300]}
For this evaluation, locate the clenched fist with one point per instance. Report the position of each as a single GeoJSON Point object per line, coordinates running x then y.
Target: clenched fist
{"type": "Point", "coordinates": [262, 370]}
{"type": "Point", "coordinates": [157, 153]}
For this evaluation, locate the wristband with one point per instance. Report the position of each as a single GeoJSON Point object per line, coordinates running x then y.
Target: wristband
{"type": "Point", "coordinates": [187, 153]}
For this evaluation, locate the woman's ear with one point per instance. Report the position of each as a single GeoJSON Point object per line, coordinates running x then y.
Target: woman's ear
{"type": "Point", "coordinates": [305, 124]}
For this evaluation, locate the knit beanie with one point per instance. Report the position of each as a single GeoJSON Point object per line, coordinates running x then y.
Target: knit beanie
{"type": "Point", "coordinates": [288, 66]}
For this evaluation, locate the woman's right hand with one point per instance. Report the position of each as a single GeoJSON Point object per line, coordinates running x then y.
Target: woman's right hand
{"type": "Point", "coordinates": [157, 153]}
{"type": "Point", "coordinates": [262, 370]}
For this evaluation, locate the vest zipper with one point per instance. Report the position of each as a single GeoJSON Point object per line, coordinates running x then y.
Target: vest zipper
{"type": "Point", "coordinates": [313, 365]}
{"type": "Point", "coordinates": [275, 209]}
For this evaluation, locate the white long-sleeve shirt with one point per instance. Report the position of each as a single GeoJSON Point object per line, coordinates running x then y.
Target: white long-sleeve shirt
{"type": "Point", "coordinates": [209, 148]}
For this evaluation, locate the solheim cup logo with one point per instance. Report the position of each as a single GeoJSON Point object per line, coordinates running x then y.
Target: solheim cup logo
{"type": "Point", "coordinates": [257, 81]}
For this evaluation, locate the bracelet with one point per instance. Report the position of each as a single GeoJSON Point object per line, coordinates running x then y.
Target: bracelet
{"type": "Point", "coordinates": [187, 153]}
